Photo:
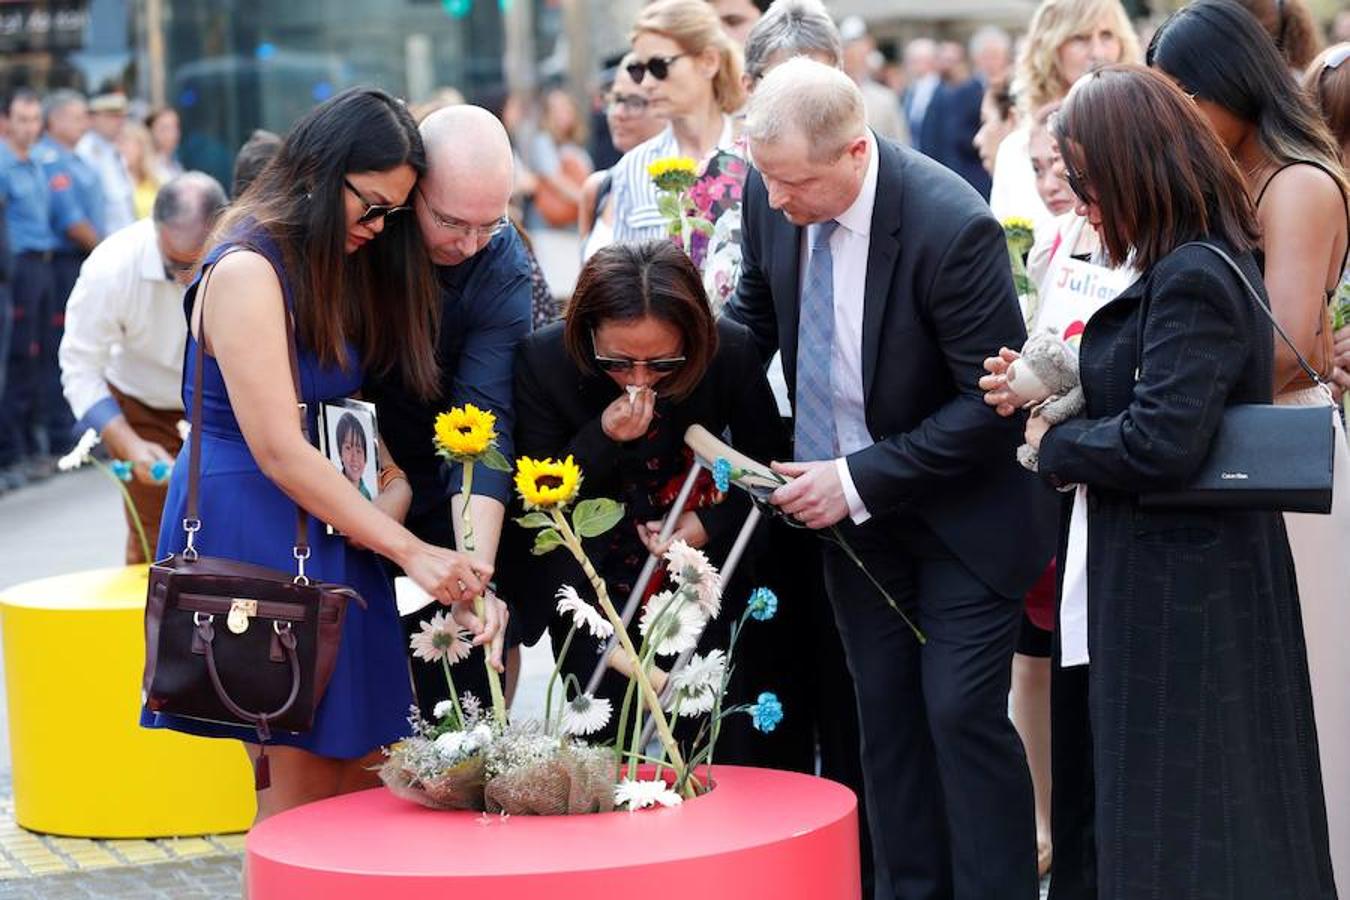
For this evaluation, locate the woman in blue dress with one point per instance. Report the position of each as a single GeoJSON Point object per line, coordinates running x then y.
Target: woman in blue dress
{"type": "Point", "coordinates": [295, 244]}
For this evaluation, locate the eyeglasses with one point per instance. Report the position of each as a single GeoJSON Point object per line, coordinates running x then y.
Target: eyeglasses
{"type": "Point", "coordinates": [620, 364]}
{"type": "Point", "coordinates": [459, 229]}
{"type": "Point", "coordinates": [659, 66]}
{"type": "Point", "coordinates": [1076, 184]}
{"type": "Point", "coordinates": [373, 210]}
{"type": "Point", "coordinates": [628, 104]}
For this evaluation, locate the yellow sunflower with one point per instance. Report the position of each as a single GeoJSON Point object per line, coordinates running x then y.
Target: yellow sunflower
{"type": "Point", "coordinates": [547, 483]}
{"type": "Point", "coordinates": [673, 173]}
{"type": "Point", "coordinates": [465, 431]}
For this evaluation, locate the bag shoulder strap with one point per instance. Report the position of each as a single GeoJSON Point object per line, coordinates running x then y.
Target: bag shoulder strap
{"type": "Point", "coordinates": [192, 522]}
{"type": "Point", "coordinates": [1251, 292]}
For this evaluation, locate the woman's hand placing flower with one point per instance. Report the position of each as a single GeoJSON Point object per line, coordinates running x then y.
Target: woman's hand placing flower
{"type": "Point", "coordinates": [688, 529]}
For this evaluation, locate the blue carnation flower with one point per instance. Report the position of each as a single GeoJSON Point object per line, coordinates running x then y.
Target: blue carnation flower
{"type": "Point", "coordinates": [721, 473]}
{"type": "Point", "coordinates": [160, 469]}
{"type": "Point", "coordinates": [767, 712]}
{"type": "Point", "coordinates": [122, 469]}
{"type": "Point", "coordinates": [763, 604]}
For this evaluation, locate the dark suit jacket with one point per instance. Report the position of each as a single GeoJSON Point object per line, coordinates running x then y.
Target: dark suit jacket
{"type": "Point", "coordinates": [939, 300]}
{"type": "Point", "coordinates": [485, 313]}
{"type": "Point", "coordinates": [950, 126]}
{"type": "Point", "coordinates": [559, 408]}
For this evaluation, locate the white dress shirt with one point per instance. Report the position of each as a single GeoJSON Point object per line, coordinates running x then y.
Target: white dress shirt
{"type": "Point", "coordinates": [118, 191]}
{"type": "Point", "coordinates": [848, 251]}
{"type": "Point", "coordinates": [125, 327]}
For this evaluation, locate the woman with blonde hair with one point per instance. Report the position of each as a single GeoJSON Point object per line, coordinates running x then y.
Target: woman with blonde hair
{"type": "Point", "coordinates": [1066, 40]}
{"type": "Point", "coordinates": [691, 73]}
{"type": "Point", "coordinates": [138, 152]}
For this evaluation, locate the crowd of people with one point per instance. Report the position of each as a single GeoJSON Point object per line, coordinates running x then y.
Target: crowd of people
{"type": "Point", "coordinates": [1140, 700]}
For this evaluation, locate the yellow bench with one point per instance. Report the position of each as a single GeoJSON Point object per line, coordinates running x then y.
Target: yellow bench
{"type": "Point", "coordinates": [74, 649]}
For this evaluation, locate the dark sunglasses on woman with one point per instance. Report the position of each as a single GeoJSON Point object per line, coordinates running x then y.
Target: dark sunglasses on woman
{"type": "Point", "coordinates": [622, 364]}
{"type": "Point", "coordinates": [659, 66]}
{"type": "Point", "coordinates": [374, 210]}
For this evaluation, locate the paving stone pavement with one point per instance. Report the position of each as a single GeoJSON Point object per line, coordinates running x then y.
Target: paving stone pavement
{"type": "Point", "coordinates": [213, 877]}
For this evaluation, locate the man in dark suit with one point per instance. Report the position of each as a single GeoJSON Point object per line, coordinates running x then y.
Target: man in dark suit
{"type": "Point", "coordinates": [884, 280]}
{"type": "Point", "coordinates": [483, 270]}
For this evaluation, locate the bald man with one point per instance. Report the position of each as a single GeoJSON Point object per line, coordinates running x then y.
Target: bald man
{"type": "Point", "coordinates": [483, 270]}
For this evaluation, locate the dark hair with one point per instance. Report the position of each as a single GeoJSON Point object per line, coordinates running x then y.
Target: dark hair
{"type": "Point", "coordinates": [999, 92]}
{"type": "Point", "coordinates": [1218, 52]}
{"type": "Point", "coordinates": [1153, 165]}
{"type": "Point", "coordinates": [382, 298]}
{"type": "Point", "coordinates": [21, 95]}
{"type": "Point", "coordinates": [259, 150]}
{"type": "Point", "coordinates": [627, 282]}
{"type": "Point", "coordinates": [156, 113]}
{"type": "Point", "coordinates": [1291, 26]}
{"type": "Point", "coordinates": [350, 426]}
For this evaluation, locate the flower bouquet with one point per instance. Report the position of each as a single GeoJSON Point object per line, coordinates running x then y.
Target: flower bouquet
{"type": "Point", "coordinates": [120, 471]}
{"type": "Point", "coordinates": [464, 760]}
{"type": "Point", "coordinates": [674, 178]}
{"type": "Point", "coordinates": [1020, 236]}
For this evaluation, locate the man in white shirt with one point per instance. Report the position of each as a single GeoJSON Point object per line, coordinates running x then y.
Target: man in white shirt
{"type": "Point", "coordinates": [884, 280]}
{"type": "Point", "coordinates": [98, 147]}
{"type": "Point", "coordinates": [122, 354]}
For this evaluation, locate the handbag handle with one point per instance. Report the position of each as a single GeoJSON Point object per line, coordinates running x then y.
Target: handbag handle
{"type": "Point", "coordinates": [207, 632]}
{"type": "Point", "coordinates": [192, 523]}
{"type": "Point", "coordinates": [1251, 292]}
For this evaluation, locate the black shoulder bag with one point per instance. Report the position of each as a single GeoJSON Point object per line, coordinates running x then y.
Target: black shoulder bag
{"type": "Point", "coordinates": [1264, 456]}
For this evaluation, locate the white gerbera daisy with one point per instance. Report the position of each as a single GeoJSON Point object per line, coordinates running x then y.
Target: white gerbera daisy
{"type": "Point", "coordinates": [441, 638]}
{"type": "Point", "coordinates": [694, 688]}
{"type": "Point", "coordinates": [690, 568]}
{"type": "Point", "coordinates": [80, 454]}
{"type": "Point", "coordinates": [676, 623]}
{"type": "Point", "coordinates": [585, 714]}
{"type": "Point", "coordinates": [443, 709]}
{"type": "Point", "coordinates": [586, 617]}
{"type": "Point", "coordinates": [633, 795]}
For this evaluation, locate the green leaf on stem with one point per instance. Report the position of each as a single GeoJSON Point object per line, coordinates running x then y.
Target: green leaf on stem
{"type": "Point", "coordinates": [493, 459]}
{"type": "Point", "coordinates": [535, 520]}
{"type": "Point", "coordinates": [594, 517]}
{"type": "Point", "coordinates": [546, 540]}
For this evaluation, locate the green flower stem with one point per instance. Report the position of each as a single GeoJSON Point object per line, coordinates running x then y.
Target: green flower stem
{"type": "Point", "coordinates": [131, 508]}
{"type": "Point", "coordinates": [644, 684]}
{"type": "Point", "coordinates": [552, 679]}
{"type": "Point", "coordinates": [479, 604]}
{"type": "Point", "coordinates": [454, 695]}
{"type": "Point", "coordinates": [838, 538]}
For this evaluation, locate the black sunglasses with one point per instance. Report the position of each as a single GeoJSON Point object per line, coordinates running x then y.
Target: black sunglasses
{"type": "Point", "coordinates": [374, 210]}
{"type": "Point", "coordinates": [659, 66]}
{"type": "Point", "coordinates": [1076, 184]}
{"type": "Point", "coordinates": [620, 364]}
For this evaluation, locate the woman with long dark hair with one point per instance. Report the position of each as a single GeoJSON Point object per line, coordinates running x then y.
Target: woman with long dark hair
{"type": "Point", "coordinates": [1198, 721]}
{"type": "Point", "coordinates": [323, 237]}
{"type": "Point", "coordinates": [637, 360]}
{"type": "Point", "coordinates": [1291, 165]}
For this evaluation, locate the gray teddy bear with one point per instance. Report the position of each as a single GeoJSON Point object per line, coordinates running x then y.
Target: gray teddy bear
{"type": "Point", "coordinates": [1046, 375]}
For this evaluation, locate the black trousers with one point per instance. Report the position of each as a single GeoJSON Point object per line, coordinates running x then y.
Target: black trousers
{"type": "Point", "coordinates": [949, 798]}
{"type": "Point", "coordinates": [1073, 826]}
{"type": "Point", "coordinates": [27, 385]}
{"type": "Point", "coordinates": [57, 420]}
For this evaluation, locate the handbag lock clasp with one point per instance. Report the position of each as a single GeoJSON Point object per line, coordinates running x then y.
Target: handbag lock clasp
{"type": "Point", "coordinates": [240, 612]}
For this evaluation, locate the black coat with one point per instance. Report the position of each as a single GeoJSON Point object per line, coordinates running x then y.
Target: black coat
{"type": "Point", "coordinates": [938, 300]}
{"type": "Point", "coordinates": [1203, 746]}
{"type": "Point", "coordinates": [558, 408]}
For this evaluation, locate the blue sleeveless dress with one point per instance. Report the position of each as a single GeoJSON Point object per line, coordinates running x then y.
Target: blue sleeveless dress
{"type": "Point", "coordinates": [246, 517]}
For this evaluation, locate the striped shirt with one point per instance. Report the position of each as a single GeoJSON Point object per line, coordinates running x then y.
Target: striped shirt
{"type": "Point", "coordinates": [636, 218]}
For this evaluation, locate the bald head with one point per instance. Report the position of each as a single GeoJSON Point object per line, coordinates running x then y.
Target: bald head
{"type": "Point", "coordinates": [470, 175]}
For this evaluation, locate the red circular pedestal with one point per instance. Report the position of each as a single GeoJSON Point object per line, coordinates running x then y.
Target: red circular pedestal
{"type": "Point", "coordinates": [760, 833]}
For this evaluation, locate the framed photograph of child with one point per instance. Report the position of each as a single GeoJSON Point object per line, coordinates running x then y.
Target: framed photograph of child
{"type": "Point", "coordinates": [348, 433]}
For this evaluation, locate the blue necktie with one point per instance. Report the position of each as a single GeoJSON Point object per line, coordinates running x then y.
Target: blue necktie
{"type": "Point", "coordinates": [813, 425]}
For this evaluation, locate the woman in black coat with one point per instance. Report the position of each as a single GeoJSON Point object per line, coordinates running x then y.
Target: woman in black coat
{"type": "Point", "coordinates": [638, 359]}
{"type": "Point", "coordinates": [1198, 717]}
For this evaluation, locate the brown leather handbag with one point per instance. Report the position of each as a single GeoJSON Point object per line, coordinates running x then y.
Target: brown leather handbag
{"type": "Point", "coordinates": [234, 643]}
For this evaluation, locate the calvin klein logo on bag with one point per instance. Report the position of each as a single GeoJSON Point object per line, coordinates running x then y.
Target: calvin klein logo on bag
{"type": "Point", "coordinates": [1234, 476]}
